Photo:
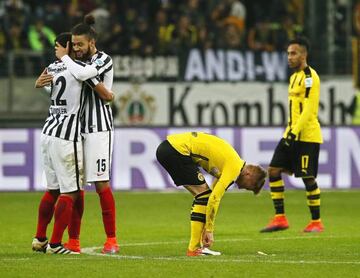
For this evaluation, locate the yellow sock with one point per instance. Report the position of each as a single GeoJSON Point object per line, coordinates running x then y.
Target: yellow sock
{"type": "Point", "coordinates": [196, 233]}
{"type": "Point", "coordinates": [198, 219]}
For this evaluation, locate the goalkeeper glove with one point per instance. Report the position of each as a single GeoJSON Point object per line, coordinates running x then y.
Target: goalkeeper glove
{"type": "Point", "coordinates": [289, 139]}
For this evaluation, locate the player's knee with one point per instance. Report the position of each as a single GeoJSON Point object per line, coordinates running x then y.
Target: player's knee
{"type": "Point", "coordinates": [309, 181]}
{"type": "Point", "coordinates": [274, 172]}
{"type": "Point", "coordinates": [54, 193]}
{"type": "Point", "coordinates": [101, 186]}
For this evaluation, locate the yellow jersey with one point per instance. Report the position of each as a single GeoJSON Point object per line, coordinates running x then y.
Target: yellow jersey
{"type": "Point", "coordinates": [304, 97]}
{"type": "Point", "coordinates": [215, 156]}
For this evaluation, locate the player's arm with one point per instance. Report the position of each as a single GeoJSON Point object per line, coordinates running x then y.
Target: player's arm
{"type": "Point", "coordinates": [79, 70]}
{"type": "Point", "coordinates": [311, 103]}
{"type": "Point", "coordinates": [227, 177]}
{"type": "Point", "coordinates": [104, 93]}
{"type": "Point", "coordinates": [211, 211]}
{"type": "Point", "coordinates": [101, 90]}
{"type": "Point", "coordinates": [213, 204]}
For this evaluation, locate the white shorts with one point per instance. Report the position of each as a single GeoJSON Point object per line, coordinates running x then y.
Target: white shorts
{"type": "Point", "coordinates": [63, 164]}
{"type": "Point", "coordinates": [98, 148]}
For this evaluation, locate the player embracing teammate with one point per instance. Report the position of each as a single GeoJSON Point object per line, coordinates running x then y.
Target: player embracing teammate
{"type": "Point", "coordinates": [96, 129]}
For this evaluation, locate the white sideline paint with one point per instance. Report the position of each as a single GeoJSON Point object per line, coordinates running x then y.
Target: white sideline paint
{"type": "Point", "coordinates": [92, 252]}
{"type": "Point", "coordinates": [231, 240]}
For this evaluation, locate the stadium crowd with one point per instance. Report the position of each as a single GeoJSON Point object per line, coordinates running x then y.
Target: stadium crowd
{"type": "Point", "coordinates": [154, 27]}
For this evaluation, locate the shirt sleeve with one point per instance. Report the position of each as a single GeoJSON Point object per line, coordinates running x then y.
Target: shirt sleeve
{"type": "Point", "coordinates": [311, 102]}
{"type": "Point", "coordinates": [227, 177]}
{"type": "Point", "coordinates": [213, 205]}
{"type": "Point", "coordinates": [93, 81]}
{"type": "Point", "coordinates": [103, 63]}
{"type": "Point", "coordinates": [79, 70]}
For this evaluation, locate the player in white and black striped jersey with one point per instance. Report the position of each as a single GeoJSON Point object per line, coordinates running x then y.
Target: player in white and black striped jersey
{"type": "Point", "coordinates": [65, 110]}
{"type": "Point", "coordinates": [67, 98]}
{"type": "Point", "coordinates": [97, 115]}
{"type": "Point", "coordinates": [61, 147]}
{"type": "Point", "coordinates": [97, 127]}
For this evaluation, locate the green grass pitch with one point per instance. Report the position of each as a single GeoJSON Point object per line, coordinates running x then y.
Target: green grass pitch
{"type": "Point", "coordinates": [153, 232]}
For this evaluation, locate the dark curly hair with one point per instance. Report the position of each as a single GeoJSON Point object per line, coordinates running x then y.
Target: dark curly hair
{"type": "Point", "coordinates": [63, 38]}
{"type": "Point", "coordinates": [302, 41]}
{"type": "Point", "coordinates": [86, 27]}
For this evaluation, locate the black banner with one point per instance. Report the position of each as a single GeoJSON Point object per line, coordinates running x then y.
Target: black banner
{"type": "Point", "coordinates": [212, 65]}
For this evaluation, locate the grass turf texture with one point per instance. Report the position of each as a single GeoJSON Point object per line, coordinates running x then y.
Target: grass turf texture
{"type": "Point", "coordinates": [153, 232]}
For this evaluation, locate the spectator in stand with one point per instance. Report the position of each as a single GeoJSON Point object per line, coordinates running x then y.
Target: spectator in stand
{"type": "Point", "coordinates": [14, 39]}
{"type": "Point", "coordinates": [184, 36]}
{"type": "Point", "coordinates": [229, 12]}
{"type": "Point", "coordinates": [141, 40]}
{"type": "Point", "coordinates": [195, 11]}
{"type": "Point", "coordinates": [3, 60]}
{"type": "Point", "coordinates": [260, 37]}
{"type": "Point", "coordinates": [114, 39]}
{"type": "Point", "coordinates": [86, 6]}
{"type": "Point", "coordinates": [102, 23]}
{"type": "Point", "coordinates": [286, 31]}
{"type": "Point", "coordinates": [15, 11]}
{"type": "Point", "coordinates": [2, 41]}
{"type": "Point", "coordinates": [229, 17]}
{"type": "Point", "coordinates": [162, 32]}
{"type": "Point", "coordinates": [53, 15]}
{"type": "Point", "coordinates": [205, 37]}
{"type": "Point", "coordinates": [293, 8]}
{"type": "Point", "coordinates": [233, 38]}
{"type": "Point", "coordinates": [73, 15]}
{"type": "Point", "coordinates": [41, 37]}
{"type": "Point", "coordinates": [237, 14]}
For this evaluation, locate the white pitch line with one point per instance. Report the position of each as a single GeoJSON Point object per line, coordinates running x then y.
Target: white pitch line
{"type": "Point", "coordinates": [15, 259]}
{"type": "Point", "coordinates": [234, 240]}
{"type": "Point", "coordinates": [91, 251]}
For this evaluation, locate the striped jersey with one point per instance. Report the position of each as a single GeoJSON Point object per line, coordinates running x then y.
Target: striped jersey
{"type": "Point", "coordinates": [66, 98]}
{"type": "Point", "coordinates": [304, 97]}
{"type": "Point", "coordinates": [97, 114]}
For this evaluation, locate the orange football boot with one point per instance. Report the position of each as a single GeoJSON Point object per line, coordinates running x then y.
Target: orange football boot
{"type": "Point", "coordinates": [315, 226]}
{"type": "Point", "coordinates": [73, 245]}
{"type": "Point", "coordinates": [278, 223]}
{"type": "Point", "coordinates": [110, 246]}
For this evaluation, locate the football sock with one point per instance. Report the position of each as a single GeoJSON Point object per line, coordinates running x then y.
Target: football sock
{"type": "Point", "coordinates": [77, 213]}
{"type": "Point", "coordinates": [63, 211]}
{"type": "Point", "coordinates": [107, 203]}
{"type": "Point", "coordinates": [313, 200]}
{"type": "Point", "coordinates": [45, 214]}
{"type": "Point", "coordinates": [198, 219]}
{"type": "Point", "coordinates": [277, 194]}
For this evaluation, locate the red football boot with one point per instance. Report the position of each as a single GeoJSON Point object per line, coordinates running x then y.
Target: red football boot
{"type": "Point", "coordinates": [73, 245]}
{"type": "Point", "coordinates": [315, 226]}
{"type": "Point", "coordinates": [278, 223]}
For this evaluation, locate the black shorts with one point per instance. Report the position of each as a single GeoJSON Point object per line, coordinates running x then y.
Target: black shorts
{"type": "Point", "coordinates": [301, 158]}
{"type": "Point", "coordinates": [182, 169]}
